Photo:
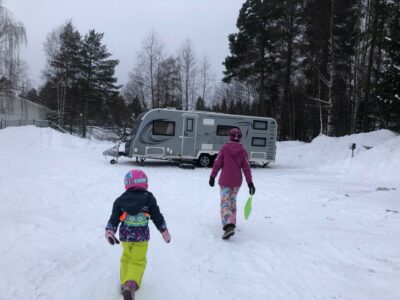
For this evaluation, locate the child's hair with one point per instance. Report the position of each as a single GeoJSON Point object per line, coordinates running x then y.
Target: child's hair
{"type": "Point", "coordinates": [136, 179]}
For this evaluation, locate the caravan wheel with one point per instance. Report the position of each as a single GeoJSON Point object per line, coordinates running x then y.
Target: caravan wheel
{"type": "Point", "coordinates": [205, 160]}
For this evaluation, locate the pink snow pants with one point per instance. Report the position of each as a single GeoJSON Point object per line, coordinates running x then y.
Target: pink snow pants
{"type": "Point", "coordinates": [228, 205]}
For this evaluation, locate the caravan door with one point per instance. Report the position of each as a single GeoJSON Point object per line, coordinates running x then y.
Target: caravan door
{"type": "Point", "coordinates": [189, 133]}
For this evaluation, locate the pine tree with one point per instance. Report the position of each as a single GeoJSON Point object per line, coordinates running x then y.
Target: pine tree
{"type": "Point", "coordinates": [135, 108]}
{"type": "Point", "coordinates": [254, 50]}
{"type": "Point", "coordinates": [97, 81]}
{"type": "Point", "coordinates": [200, 104]}
{"type": "Point", "coordinates": [329, 48]}
{"type": "Point", "coordinates": [316, 66]}
{"type": "Point", "coordinates": [388, 87]}
{"type": "Point", "coordinates": [48, 93]}
{"type": "Point", "coordinates": [63, 50]}
{"type": "Point", "coordinates": [224, 106]}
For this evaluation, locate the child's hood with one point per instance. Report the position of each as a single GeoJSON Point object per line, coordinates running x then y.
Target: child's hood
{"type": "Point", "coordinates": [134, 201]}
{"type": "Point", "coordinates": [234, 148]}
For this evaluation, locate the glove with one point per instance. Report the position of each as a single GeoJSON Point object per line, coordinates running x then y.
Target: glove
{"type": "Point", "coordinates": [252, 189]}
{"type": "Point", "coordinates": [110, 237]}
{"type": "Point", "coordinates": [166, 236]}
{"type": "Point", "coordinates": [211, 182]}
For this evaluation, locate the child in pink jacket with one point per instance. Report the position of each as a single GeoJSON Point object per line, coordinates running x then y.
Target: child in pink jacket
{"type": "Point", "coordinates": [232, 159]}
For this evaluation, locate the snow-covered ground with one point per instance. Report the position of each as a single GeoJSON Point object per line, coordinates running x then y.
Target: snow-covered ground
{"type": "Point", "coordinates": [324, 225]}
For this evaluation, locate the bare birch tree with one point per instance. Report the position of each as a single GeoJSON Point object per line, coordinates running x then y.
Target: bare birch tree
{"type": "Point", "coordinates": [136, 89]}
{"type": "Point", "coordinates": [149, 59]}
{"type": "Point", "coordinates": [168, 78]}
{"type": "Point", "coordinates": [12, 36]}
{"type": "Point", "coordinates": [206, 79]}
{"type": "Point", "coordinates": [145, 76]}
{"type": "Point", "coordinates": [188, 70]}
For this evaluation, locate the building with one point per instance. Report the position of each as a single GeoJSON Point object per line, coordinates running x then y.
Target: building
{"type": "Point", "coordinates": [17, 111]}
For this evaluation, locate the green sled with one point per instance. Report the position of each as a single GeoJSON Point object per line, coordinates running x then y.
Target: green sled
{"type": "Point", "coordinates": [247, 207]}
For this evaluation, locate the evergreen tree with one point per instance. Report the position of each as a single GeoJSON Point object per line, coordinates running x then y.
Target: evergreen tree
{"type": "Point", "coordinates": [119, 112]}
{"type": "Point", "coordinates": [254, 50]}
{"type": "Point", "coordinates": [216, 108]}
{"type": "Point", "coordinates": [200, 104]}
{"type": "Point", "coordinates": [135, 108]}
{"type": "Point", "coordinates": [63, 50]}
{"type": "Point", "coordinates": [388, 87]}
{"type": "Point", "coordinates": [48, 93]}
{"type": "Point", "coordinates": [329, 49]}
{"type": "Point", "coordinates": [232, 108]}
{"type": "Point", "coordinates": [224, 106]}
{"type": "Point", "coordinates": [97, 81]}
{"type": "Point", "coordinates": [32, 93]}
{"type": "Point", "coordinates": [316, 66]}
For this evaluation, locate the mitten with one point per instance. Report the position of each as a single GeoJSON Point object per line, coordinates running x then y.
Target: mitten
{"type": "Point", "coordinates": [211, 182]}
{"type": "Point", "coordinates": [166, 236]}
{"type": "Point", "coordinates": [252, 189]}
{"type": "Point", "coordinates": [110, 237]}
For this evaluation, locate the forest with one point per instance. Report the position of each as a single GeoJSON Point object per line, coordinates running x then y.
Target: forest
{"type": "Point", "coordinates": [318, 67]}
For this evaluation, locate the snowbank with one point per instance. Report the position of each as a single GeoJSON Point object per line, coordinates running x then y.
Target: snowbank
{"type": "Point", "coordinates": [26, 137]}
{"type": "Point", "coordinates": [376, 157]}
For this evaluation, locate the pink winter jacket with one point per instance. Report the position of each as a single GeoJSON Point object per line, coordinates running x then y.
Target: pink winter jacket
{"type": "Point", "coordinates": [232, 159]}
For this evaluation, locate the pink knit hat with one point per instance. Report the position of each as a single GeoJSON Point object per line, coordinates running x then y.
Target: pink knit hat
{"type": "Point", "coordinates": [135, 179]}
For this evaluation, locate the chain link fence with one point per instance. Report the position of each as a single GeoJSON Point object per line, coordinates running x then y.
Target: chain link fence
{"type": "Point", "coordinates": [14, 123]}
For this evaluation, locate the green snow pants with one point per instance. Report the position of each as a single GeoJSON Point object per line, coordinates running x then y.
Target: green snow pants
{"type": "Point", "coordinates": [133, 261]}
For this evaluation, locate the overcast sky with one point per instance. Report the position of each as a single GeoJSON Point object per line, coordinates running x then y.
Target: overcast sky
{"type": "Point", "coordinates": [125, 24]}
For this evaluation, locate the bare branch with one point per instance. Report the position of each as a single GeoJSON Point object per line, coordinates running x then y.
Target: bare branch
{"type": "Point", "coordinates": [320, 100]}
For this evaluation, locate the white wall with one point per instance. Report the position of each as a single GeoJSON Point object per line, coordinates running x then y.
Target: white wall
{"type": "Point", "coordinates": [21, 109]}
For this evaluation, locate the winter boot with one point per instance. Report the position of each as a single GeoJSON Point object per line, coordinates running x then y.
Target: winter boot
{"type": "Point", "coordinates": [229, 231]}
{"type": "Point", "coordinates": [129, 289]}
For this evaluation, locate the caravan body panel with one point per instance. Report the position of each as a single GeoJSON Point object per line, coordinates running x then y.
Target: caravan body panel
{"type": "Point", "coordinates": [186, 135]}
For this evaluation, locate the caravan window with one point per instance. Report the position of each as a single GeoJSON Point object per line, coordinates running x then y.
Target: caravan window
{"type": "Point", "coordinates": [259, 142]}
{"type": "Point", "coordinates": [163, 128]}
{"type": "Point", "coordinates": [260, 125]}
{"type": "Point", "coordinates": [189, 124]}
{"type": "Point", "coordinates": [223, 130]}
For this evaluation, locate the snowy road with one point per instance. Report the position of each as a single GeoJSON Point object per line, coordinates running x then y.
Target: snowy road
{"type": "Point", "coordinates": [312, 234]}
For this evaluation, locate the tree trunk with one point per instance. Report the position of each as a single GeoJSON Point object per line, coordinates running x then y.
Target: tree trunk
{"type": "Point", "coordinates": [84, 118]}
{"type": "Point", "coordinates": [287, 114]}
{"type": "Point", "coordinates": [365, 124]}
{"type": "Point", "coordinates": [331, 74]}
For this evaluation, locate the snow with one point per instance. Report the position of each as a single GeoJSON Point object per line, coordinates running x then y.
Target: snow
{"type": "Point", "coordinates": [380, 164]}
{"type": "Point", "coordinates": [324, 225]}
